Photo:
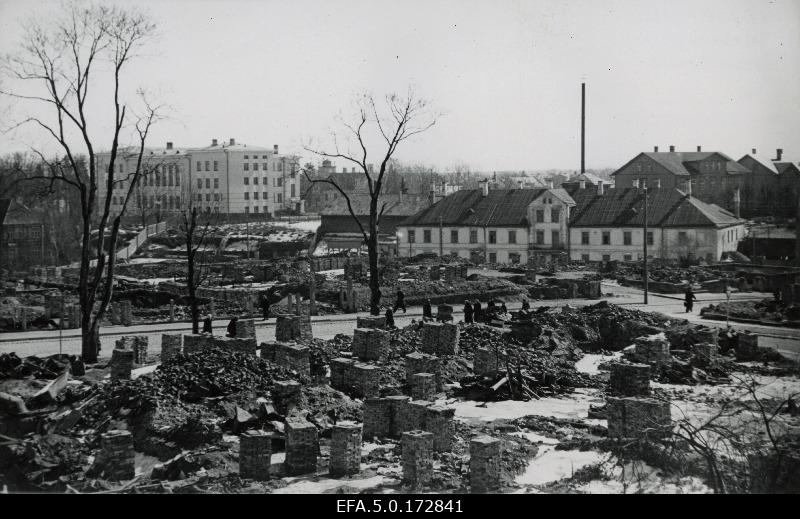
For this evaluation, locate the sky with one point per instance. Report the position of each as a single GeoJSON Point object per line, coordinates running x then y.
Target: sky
{"type": "Point", "coordinates": [503, 77]}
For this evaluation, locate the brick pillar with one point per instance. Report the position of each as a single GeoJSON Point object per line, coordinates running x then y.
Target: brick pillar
{"type": "Point", "coordinates": [705, 355]}
{"type": "Point", "coordinates": [255, 455]}
{"type": "Point", "coordinates": [378, 344]}
{"type": "Point", "coordinates": [417, 458]}
{"type": "Point", "coordinates": [116, 455]}
{"type": "Point", "coordinates": [170, 346]}
{"type": "Point", "coordinates": [637, 417]}
{"type": "Point", "coordinates": [423, 386]}
{"type": "Point", "coordinates": [411, 415]}
{"type": "Point", "coordinates": [172, 310]}
{"type": "Point", "coordinates": [140, 349]}
{"type": "Point", "coordinates": [360, 342]}
{"type": "Point", "coordinates": [430, 337]}
{"type": "Point", "coordinates": [121, 364]}
{"type": "Point", "coordinates": [629, 379]}
{"type": "Point", "coordinates": [127, 313]}
{"type": "Point", "coordinates": [302, 447]}
{"type": "Point", "coordinates": [286, 395]}
{"type": "Point", "coordinates": [439, 422]}
{"type": "Point", "coordinates": [377, 417]}
{"type": "Point", "coordinates": [448, 339]}
{"type": "Point", "coordinates": [345, 449]}
{"type": "Point", "coordinates": [484, 464]}
{"type": "Point", "coordinates": [396, 404]}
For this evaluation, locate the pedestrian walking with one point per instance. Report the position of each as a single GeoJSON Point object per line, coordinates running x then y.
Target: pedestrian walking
{"type": "Point", "coordinates": [232, 326]}
{"type": "Point", "coordinates": [427, 311]}
{"type": "Point", "coordinates": [689, 300]}
{"type": "Point", "coordinates": [389, 318]}
{"type": "Point", "coordinates": [468, 312]}
{"type": "Point", "coordinates": [400, 301]}
{"type": "Point", "coordinates": [477, 311]}
{"type": "Point", "coordinates": [207, 325]}
{"type": "Point", "coordinates": [265, 307]}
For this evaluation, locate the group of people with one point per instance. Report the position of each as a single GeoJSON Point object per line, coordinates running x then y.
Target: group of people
{"type": "Point", "coordinates": [475, 313]}
{"type": "Point", "coordinates": [231, 328]}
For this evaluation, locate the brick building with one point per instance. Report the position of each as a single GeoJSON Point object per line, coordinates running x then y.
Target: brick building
{"type": "Point", "coordinates": [22, 236]}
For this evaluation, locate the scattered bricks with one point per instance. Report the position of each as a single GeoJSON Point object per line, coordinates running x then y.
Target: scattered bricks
{"type": "Point", "coordinates": [411, 415]}
{"type": "Point", "coordinates": [637, 417]}
{"type": "Point", "coordinates": [377, 417]}
{"type": "Point", "coordinates": [448, 339]}
{"type": "Point", "coordinates": [423, 386]}
{"type": "Point", "coordinates": [746, 346]}
{"type": "Point", "coordinates": [653, 350]}
{"type": "Point", "coordinates": [255, 454]}
{"type": "Point", "coordinates": [373, 321]}
{"type": "Point", "coordinates": [345, 449]}
{"type": "Point", "coordinates": [360, 341]}
{"type": "Point", "coordinates": [121, 364]}
{"type": "Point", "coordinates": [396, 404]}
{"type": "Point", "coordinates": [246, 328]}
{"type": "Point", "coordinates": [116, 456]}
{"type": "Point", "coordinates": [439, 421]}
{"type": "Point", "coordinates": [418, 362]}
{"type": "Point", "coordinates": [286, 394]}
{"type": "Point", "coordinates": [377, 345]}
{"type": "Point", "coordinates": [487, 361]}
{"type": "Point", "coordinates": [170, 346]}
{"type": "Point", "coordinates": [417, 458]}
{"type": "Point", "coordinates": [302, 447]}
{"type": "Point", "coordinates": [629, 379]}
{"type": "Point", "coordinates": [484, 464]}
{"type": "Point", "coordinates": [430, 337]}
{"type": "Point", "coordinates": [705, 355]}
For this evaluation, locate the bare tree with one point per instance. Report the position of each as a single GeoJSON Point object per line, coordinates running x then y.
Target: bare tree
{"type": "Point", "coordinates": [57, 68]}
{"type": "Point", "coordinates": [402, 117]}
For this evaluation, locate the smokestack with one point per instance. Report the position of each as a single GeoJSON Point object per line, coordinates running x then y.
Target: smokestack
{"type": "Point", "coordinates": [699, 148]}
{"type": "Point", "coordinates": [737, 202]}
{"type": "Point", "coordinates": [655, 149]}
{"type": "Point", "coordinates": [582, 183]}
{"type": "Point", "coordinates": [583, 128]}
{"type": "Point", "coordinates": [672, 149]}
{"type": "Point", "coordinates": [600, 189]}
{"type": "Point", "coordinates": [233, 142]}
{"type": "Point", "coordinates": [779, 154]}
{"type": "Point", "coordinates": [485, 187]}
{"type": "Point", "coordinates": [213, 142]}
{"type": "Point", "coordinates": [275, 149]}
{"type": "Point", "coordinates": [169, 145]}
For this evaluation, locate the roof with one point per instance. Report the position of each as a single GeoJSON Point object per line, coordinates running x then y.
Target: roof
{"type": "Point", "coordinates": [682, 163]}
{"type": "Point", "coordinates": [749, 159]}
{"type": "Point", "coordinates": [468, 207]}
{"type": "Point", "coordinates": [666, 208]}
{"type": "Point", "coordinates": [13, 213]}
{"type": "Point", "coordinates": [786, 167]}
{"type": "Point", "coordinates": [396, 205]}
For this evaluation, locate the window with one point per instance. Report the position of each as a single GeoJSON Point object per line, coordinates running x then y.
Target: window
{"type": "Point", "coordinates": [263, 157]}
{"type": "Point", "coordinates": [540, 215]}
{"type": "Point", "coordinates": [512, 236]}
{"type": "Point", "coordinates": [264, 195]}
{"type": "Point", "coordinates": [636, 182]}
{"type": "Point", "coordinates": [265, 209]}
{"type": "Point", "coordinates": [627, 238]}
{"type": "Point", "coordinates": [606, 257]}
{"type": "Point", "coordinates": [585, 257]}
{"type": "Point", "coordinates": [198, 168]}
{"type": "Point", "coordinates": [555, 236]}
{"type": "Point", "coordinates": [216, 166]}
{"type": "Point", "coordinates": [246, 157]}
{"type": "Point", "coordinates": [216, 197]}
{"type": "Point", "coordinates": [540, 237]}
{"type": "Point", "coordinates": [169, 180]}
{"type": "Point", "coordinates": [207, 164]}
{"type": "Point", "coordinates": [208, 183]}
{"type": "Point", "coordinates": [199, 183]}
{"type": "Point", "coordinates": [627, 257]}
{"type": "Point", "coordinates": [208, 197]}
{"type": "Point", "coordinates": [585, 238]}
{"type": "Point", "coordinates": [555, 214]}
{"type": "Point", "coordinates": [177, 176]}
{"type": "Point", "coordinates": [264, 180]}
{"type": "Point", "coordinates": [255, 209]}
{"type": "Point", "coordinates": [255, 195]}
{"type": "Point", "coordinates": [247, 210]}
{"type": "Point", "coordinates": [606, 238]}
{"type": "Point", "coordinates": [255, 181]}
{"type": "Point", "coordinates": [255, 166]}
{"type": "Point", "coordinates": [247, 196]}
{"type": "Point", "coordinates": [264, 167]}
{"type": "Point", "coordinates": [293, 190]}
{"type": "Point", "coordinates": [280, 182]}
{"type": "Point", "coordinates": [473, 236]}
{"type": "Point", "coordinates": [216, 183]}
{"type": "Point", "coordinates": [280, 198]}
{"type": "Point", "coordinates": [247, 166]}
{"type": "Point", "coordinates": [412, 236]}
{"type": "Point", "coordinates": [199, 197]}
{"type": "Point", "coordinates": [426, 236]}
{"type": "Point", "coordinates": [492, 257]}
{"type": "Point", "coordinates": [453, 236]}
{"type": "Point", "coordinates": [113, 200]}
{"type": "Point", "coordinates": [649, 237]}
{"type": "Point", "coordinates": [658, 183]}
{"type": "Point", "coordinates": [247, 181]}
{"type": "Point", "coordinates": [492, 236]}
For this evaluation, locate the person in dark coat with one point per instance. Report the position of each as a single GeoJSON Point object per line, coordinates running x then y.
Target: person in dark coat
{"type": "Point", "coordinates": [389, 318]}
{"type": "Point", "coordinates": [400, 302]}
{"type": "Point", "coordinates": [468, 312]}
{"type": "Point", "coordinates": [427, 311]}
{"type": "Point", "coordinates": [476, 307]}
{"type": "Point", "coordinates": [265, 306]}
{"type": "Point", "coordinates": [690, 299]}
{"type": "Point", "coordinates": [207, 325]}
{"type": "Point", "coordinates": [503, 309]}
{"type": "Point", "coordinates": [525, 304]}
{"type": "Point", "coordinates": [232, 326]}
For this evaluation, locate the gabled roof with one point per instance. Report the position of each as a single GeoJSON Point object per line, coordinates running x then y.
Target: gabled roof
{"type": "Point", "coordinates": [500, 208]}
{"type": "Point", "coordinates": [559, 193]}
{"type": "Point", "coordinates": [666, 208]}
{"type": "Point", "coordinates": [13, 213]}
{"type": "Point", "coordinates": [681, 163]}
{"type": "Point", "coordinates": [765, 165]}
{"type": "Point", "coordinates": [396, 205]}
{"type": "Point", "coordinates": [785, 168]}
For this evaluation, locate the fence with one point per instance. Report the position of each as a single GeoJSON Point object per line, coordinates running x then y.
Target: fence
{"type": "Point", "coordinates": [140, 239]}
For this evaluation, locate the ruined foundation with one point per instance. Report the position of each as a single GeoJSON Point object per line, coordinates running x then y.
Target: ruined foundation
{"type": "Point", "coordinates": [289, 355]}
{"type": "Point", "coordinates": [121, 364]}
{"type": "Point", "coordinates": [423, 386]}
{"type": "Point", "coordinates": [418, 362]}
{"type": "Point", "coordinates": [629, 379]}
{"type": "Point", "coordinates": [638, 417]}
{"type": "Point", "coordinates": [354, 378]}
{"type": "Point", "coordinates": [171, 345]}
{"type": "Point", "coordinates": [302, 447]}
{"type": "Point", "coordinates": [439, 422]}
{"type": "Point", "coordinates": [484, 464]}
{"type": "Point", "coordinates": [345, 449]}
{"type": "Point", "coordinates": [417, 458]}
{"type": "Point", "coordinates": [286, 395]}
{"type": "Point", "coordinates": [135, 343]}
{"type": "Point", "coordinates": [255, 454]}
{"type": "Point", "coordinates": [116, 455]}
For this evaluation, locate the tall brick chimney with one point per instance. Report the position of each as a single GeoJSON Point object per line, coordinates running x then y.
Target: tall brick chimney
{"type": "Point", "coordinates": [699, 148]}
{"type": "Point", "coordinates": [655, 149]}
{"type": "Point", "coordinates": [672, 149]}
{"type": "Point", "coordinates": [232, 141]}
{"type": "Point", "coordinates": [213, 142]}
{"type": "Point", "coordinates": [779, 154]}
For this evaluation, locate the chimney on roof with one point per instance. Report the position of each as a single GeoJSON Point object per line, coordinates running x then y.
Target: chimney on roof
{"type": "Point", "coordinates": [737, 202]}
{"type": "Point", "coordinates": [213, 142]}
{"type": "Point", "coordinates": [169, 145]}
{"type": "Point", "coordinates": [778, 154]}
{"type": "Point", "coordinates": [655, 149]}
{"type": "Point", "coordinates": [600, 189]}
{"type": "Point", "coordinates": [519, 184]}
{"type": "Point", "coordinates": [582, 184]}
{"type": "Point", "coordinates": [549, 184]}
{"type": "Point", "coordinates": [688, 188]}
{"type": "Point", "coordinates": [485, 187]}
{"type": "Point", "coordinates": [699, 148]}
{"type": "Point", "coordinates": [672, 149]}
{"type": "Point", "coordinates": [753, 151]}
{"type": "Point", "coordinates": [275, 148]}
{"type": "Point", "coordinates": [233, 142]}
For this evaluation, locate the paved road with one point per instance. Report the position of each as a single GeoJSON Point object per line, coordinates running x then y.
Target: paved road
{"type": "Point", "coordinates": [325, 327]}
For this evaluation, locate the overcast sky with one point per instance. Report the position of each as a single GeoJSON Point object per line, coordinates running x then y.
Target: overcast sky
{"type": "Point", "coordinates": [723, 74]}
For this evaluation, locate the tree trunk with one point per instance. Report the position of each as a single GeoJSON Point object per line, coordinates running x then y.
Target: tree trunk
{"type": "Point", "coordinates": [90, 339]}
{"type": "Point", "coordinates": [190, 266]}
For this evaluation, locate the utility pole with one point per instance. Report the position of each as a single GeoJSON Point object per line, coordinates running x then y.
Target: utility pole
{"type": "Point", "coordinates": [645, 245]}
{"type": "Point", "coordinates": [441, 239]}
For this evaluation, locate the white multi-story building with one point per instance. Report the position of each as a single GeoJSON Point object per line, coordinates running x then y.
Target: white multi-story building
{"type": "Point", "coordinates": [226, 178]}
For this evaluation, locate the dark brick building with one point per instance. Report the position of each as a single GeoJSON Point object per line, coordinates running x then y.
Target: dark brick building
{"type": "Point", "coordinates": [21, 236]}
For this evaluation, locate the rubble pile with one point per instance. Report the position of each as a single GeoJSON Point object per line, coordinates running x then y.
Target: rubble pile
{"type": "Point", "coordinates": [766, 310]}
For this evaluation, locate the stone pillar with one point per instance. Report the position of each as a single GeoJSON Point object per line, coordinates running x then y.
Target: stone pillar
{"type": "Point", "coordinates": [121, 364]}
{"type": "Point", "coordinates": [127, 313]}
{"type": "Point", "coordinates": [302, 447]}
{"type": "Point", "coordinates": [170, 346]}
{"type": "Point", "coordinates": [629, 379]}
{"type": "Point", "coordinates": [484, 464]}
{"type": "Point", "coordinates": [23, 318]}
{"type": "Point", "coordinates": [417, 458]}
{"type": "Point", "coordinates": [345, 449]}
{"type": "Point", "coordinates": [255, 455]}
{"type": "Point", "coordinates": [286, 394]}
{"type": "Point", "coordinates": [439, 422]}
{"type": "Point", "coordinates": [116, 456]}
{"type": "Point", "coordinates": [298, 304]}
{"type": "Point", "coordinates": [638, 417]}
{"type": "Point", "coordinates": [423, 386]}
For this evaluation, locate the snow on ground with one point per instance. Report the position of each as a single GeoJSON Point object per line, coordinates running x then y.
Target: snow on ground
{"type": "Point", "coordinates": [639, 477]}
{"type": "Point", "coordinates": [553, 465]}
{"type": "Point", "coordinates": [574, 406]}
{"type": "Point", "coordinates": [318, 486]}
{"type": "Point", "coordinates": [536, 438]}
{"type": "Point", "coordinates": [308, 226]}
{"type": "Point", "coordinates": [590, 362]}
